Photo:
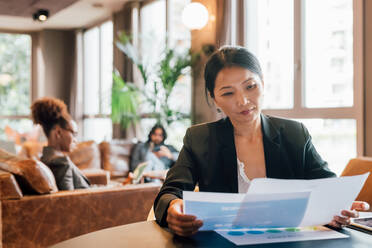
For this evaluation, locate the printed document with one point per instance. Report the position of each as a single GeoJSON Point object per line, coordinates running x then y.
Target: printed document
{"type": "Point", "coordinates": [279, 235]}
{"type": "Point", "coordinates": [277, 205]}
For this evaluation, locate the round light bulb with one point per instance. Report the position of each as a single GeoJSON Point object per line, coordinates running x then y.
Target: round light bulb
{"type": "Point", "coordinates": [42, 18]}
{"type": "Point", "coordinates": [195, 16]}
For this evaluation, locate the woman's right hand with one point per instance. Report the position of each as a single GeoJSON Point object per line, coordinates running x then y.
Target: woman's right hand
{"type": "Point", "coordinates": [180, 223]}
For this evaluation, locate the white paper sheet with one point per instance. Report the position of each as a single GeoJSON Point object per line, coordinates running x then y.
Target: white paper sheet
{"type": "Point", "coordinates": [272, 210]}
{"type": "Point", "coordinates": [217, 210]}
{"type": "Point", "coordinates": [264, 236]}
{"type": "Point", "coordinates": [273, 203]}
{"type": "Point", "coordinates": [328, 198]}
{"type": "Point", "coordinates": [221, 210]}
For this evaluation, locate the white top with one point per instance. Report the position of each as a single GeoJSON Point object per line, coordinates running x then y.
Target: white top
{"type": "Point", "coordinates": [243, 180]}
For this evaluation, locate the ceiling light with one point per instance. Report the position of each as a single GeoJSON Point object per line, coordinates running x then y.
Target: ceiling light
{"type": "Point", "coordinates": [195, 16]}
{"type": "Point", "coordinates": [41, 15]}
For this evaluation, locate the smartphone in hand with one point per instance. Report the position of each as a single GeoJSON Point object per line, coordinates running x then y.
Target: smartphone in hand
{"type": "Point", "coordinates": [362, 224]}
{"type": "Point", "coordinates": [156, 149]}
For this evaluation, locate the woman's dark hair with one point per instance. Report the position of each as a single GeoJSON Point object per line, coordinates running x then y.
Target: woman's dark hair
{"type": "Point", "coordinates": [153, 131]}
{"type": "Point", "coordinates": [49, 112]}
{"type": "Point", "coordinates": [228, 56]}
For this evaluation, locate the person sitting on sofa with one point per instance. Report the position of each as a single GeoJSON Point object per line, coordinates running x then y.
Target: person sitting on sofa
{"type": "Point", "coordinates": [160, 156]}
{"type": "Point", "coordinates": [60, 129]}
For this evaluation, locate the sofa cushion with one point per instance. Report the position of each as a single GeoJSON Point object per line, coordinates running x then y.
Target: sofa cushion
{"type": "Point", "coordinates": [86, 155]}
{"type": "Point", "coordinates": [9, 188]}
{"type": "Point", "coordinates": [97, 176]}
{"type": "Point", "coordinates": [32, 176]}
{"type": "Point", "coordinates": [116, 157]}
{"type": "Point", "coordinates": [32, 149]}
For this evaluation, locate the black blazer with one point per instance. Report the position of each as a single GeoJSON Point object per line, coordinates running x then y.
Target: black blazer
{"type": "Point", "coordinates": [67, 175]}
{"type": "Point", "coordinates": [208, 158]}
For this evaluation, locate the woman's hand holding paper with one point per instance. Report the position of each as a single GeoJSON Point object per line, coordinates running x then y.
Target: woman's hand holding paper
{"type": "Point", "coordinates": [344, 219]}
{"type": "Point", "coordinates": [180, 223]}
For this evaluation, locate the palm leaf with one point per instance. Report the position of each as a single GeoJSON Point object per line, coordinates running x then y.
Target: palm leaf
{"type": "Point", "coordinates": [124, 101]}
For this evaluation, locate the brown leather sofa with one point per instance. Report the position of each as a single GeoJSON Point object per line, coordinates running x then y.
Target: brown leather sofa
{"type": "Point", "coordinates": [35, 214]}
{"type": "Point", "coordinates": [112, 157]}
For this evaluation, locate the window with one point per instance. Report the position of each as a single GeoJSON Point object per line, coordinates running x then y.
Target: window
{"type": "Point", "coordinates": [307, 51]}
{"type": "Point", "coordinates": [330, 56]}
{"type": "Point", "coordinates": [333, 134]}
{"type": "Point", "coordinates": [270, 38]}
{"type": "Point", "coordinates": [160, 23]}
{"type": "Point", "coordinates": [152, 30]}
{"type": "Point", "coordinates": [152, 40]}
{"type": "Point", "coordinates": [97, 82]}
{"type": "Point", "coordinates": [15, 82]}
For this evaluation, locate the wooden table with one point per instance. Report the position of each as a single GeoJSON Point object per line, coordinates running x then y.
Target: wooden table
{"type": "Point", "coordinates": [149, 234]}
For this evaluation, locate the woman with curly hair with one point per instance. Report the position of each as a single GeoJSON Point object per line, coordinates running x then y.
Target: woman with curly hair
{"type": "Point", "coordinates": [61, 130]}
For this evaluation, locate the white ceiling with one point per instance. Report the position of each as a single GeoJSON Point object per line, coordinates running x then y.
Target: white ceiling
{"type": "Point", "coordinates": [80, 14]}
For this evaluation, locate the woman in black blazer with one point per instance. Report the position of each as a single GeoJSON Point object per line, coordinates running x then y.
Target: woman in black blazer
{"type": "Point", "coordinates": [224, 156]}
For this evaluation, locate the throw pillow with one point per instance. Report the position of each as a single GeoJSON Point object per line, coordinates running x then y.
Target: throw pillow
{"type": "Point", "coordinates": [86, 155]}
{"type": "Point", "coordinates": [116, 157]}
{"type": "Point", "coordinates": [30, 174]}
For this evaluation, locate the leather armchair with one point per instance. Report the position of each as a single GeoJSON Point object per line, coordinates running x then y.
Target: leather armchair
{"type": "Point", "coordinates": [358, 166]}
{"type": "Point", "coordinates": [43, 220]}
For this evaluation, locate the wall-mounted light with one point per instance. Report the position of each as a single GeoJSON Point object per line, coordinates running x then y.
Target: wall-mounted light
{"type": "Point", "coordinates": [195, 16]}
{"type": "Point", "coordinates": [41, 15]}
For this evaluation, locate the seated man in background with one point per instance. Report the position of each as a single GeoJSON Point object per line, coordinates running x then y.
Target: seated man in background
{"type": "Point", "coordinates": [160, 157]}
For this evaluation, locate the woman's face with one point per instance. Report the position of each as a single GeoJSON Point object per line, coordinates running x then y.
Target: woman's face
{"type": "Point", "coordinates": [66, 137]}
{"type": "Point", "coordinates": [239, 94]}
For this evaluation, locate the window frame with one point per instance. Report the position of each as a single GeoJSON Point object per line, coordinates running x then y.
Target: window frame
{"type": "Point", "coordinates": [299, 111]}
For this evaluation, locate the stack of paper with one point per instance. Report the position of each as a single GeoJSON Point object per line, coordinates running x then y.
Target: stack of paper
{"type": "Point", "coordinates": [276, 203]}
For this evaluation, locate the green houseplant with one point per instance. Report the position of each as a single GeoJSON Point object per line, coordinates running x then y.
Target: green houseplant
{"type": "Point", "coordinates": [160, 78]}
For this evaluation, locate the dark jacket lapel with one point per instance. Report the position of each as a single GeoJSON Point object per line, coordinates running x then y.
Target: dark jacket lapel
{"type": "Point", "coordinates": [271, 141]}
{"type": "Point", "coordinates": [277, 164]}
{"type": "Point", "coordinates": [227, 161]}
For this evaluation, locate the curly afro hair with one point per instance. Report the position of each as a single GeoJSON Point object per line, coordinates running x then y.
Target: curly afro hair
{"type": "Point", "coordinates": [49, 112]}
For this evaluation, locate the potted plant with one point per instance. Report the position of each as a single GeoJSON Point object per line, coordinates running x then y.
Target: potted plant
{"type": "Point", "coordinates": [157, 87]}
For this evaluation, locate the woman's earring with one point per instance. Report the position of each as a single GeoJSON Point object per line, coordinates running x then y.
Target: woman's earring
{"type": "Point", "coordinates": [219, 110]}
